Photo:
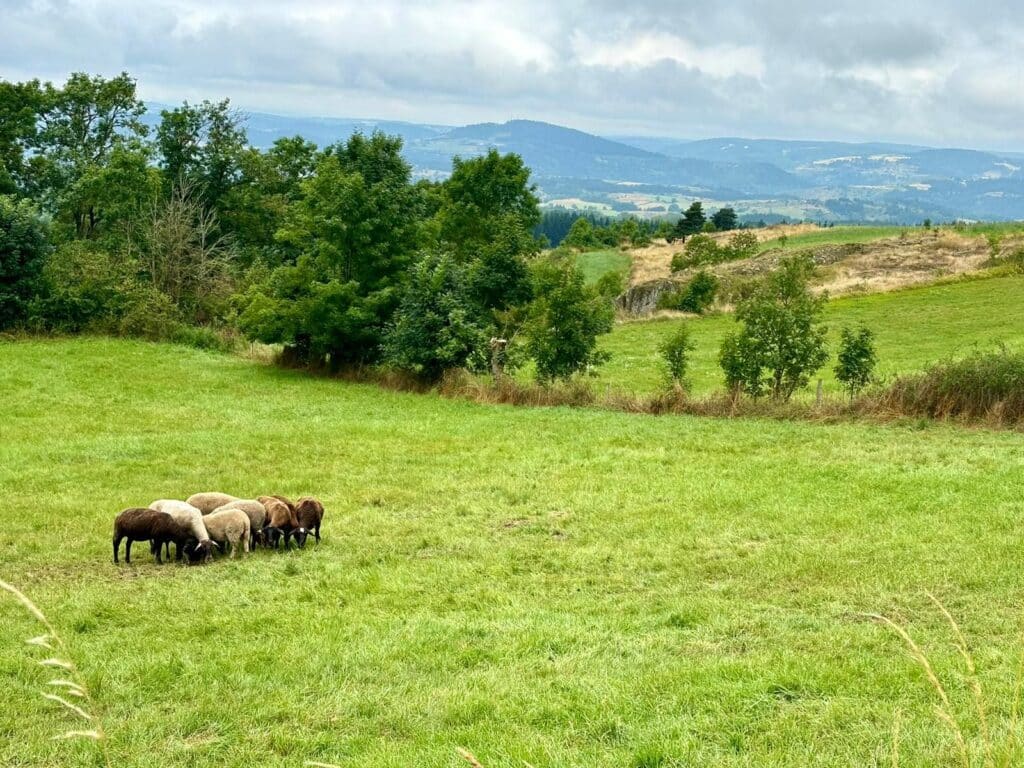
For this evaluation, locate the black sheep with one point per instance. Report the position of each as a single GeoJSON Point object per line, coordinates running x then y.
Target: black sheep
{"type": "Point", "coordinates": [144, 524]}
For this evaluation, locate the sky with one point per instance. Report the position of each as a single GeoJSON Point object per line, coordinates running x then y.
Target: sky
{"type": "Point", "coordinates": [933, 72]}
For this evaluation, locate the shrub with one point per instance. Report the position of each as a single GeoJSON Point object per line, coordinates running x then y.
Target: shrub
{"type": "Point", "coordinates": [857, 359]}
{"type": "Point", "coordinates": [742, 245]}
{"type": "Point", "coordinates": [700, 249]}
{"type": "Point", "coordinates": [150, 314]}
{"type": "Point", "coordinates": [23, 249]}
{"type": "Point", "coordinates": [781, 343]}
{"type": "Point", "coordinates": [564, 320]}
{"type": "Point", "coordinates": [675, 352]}
{"type": "Point", "coordinates": [985, 385]}
{"type": "Point", "coordinates": [695, 296]}
{"type": "Point", "coordinates": [611, 284]}
{"type": "Point", "coordinates": [85, 289]}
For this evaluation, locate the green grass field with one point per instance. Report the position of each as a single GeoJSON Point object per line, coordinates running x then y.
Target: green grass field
{"type": "Point", "coordinates": [595, 264]}
{"type": "Point", "coordinates": [564, 587]}
{"type": "Point", "coordinates": [830, 235]}
{"type": "Point", "coordinates": [914, 327]}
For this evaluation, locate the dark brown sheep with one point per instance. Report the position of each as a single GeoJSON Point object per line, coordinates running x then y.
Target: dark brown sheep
{"type": "Point", "coordinates": [144, 524]}
{"type": "Point", "coordinates": [309, 513]}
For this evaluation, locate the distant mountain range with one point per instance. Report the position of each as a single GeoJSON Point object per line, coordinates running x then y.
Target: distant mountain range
{"type": "Point", "coordinates": [761, 178]}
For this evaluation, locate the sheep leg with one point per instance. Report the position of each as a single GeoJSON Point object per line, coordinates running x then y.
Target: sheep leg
{"type": "Point", "coordinates": [117, 546]}
{"type": "Point", "coordinates": [128, 550]}
{"type": "Point", "coordinates": [316, 532]}
{"type": "Point", "coordinates": [159, 551]}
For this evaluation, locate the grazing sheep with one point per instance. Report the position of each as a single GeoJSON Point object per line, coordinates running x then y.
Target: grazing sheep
{"type": "Point", "coordinates": [142, 524]}
{"type": "Point", "coordinates": [190, 518]}
{"type": "Point", "coordinates": [280, 520]}
{"type": "Point", "coordinates": [208, 502]}
{"type": "Point", "coordinates": [229, 526]}
{"type": "Point", "coordinates": [309, 513]}
{"type": "Point", "coordinates": [257, 516]}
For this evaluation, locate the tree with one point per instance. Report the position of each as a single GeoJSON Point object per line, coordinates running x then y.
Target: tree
{"type": "Point", "coordinates": [481, 196]}
{"type": "Point", "coordinates": [581, 235]}
{"type": "Point", "coordinates": [202, 147]}
{"type": "Point", "coordinates": [675, 353]}
{"type": "Point", "coordinates": [781, 343]}
{"type": "Point", "coordinates": [23, 251]}
{"type": "Point", "coordinates": [725, 219]}
{"type": "Point", "coordinates": [80, 126]}
{"type": "Point", "coordinates": [857, 358]}
{"type": "Point", "coordinates": [20, 107]}
{"type": "Point", "coordinates": [692, 221]}
{"type": "Point", "coordinates": [356, 229]}
{"type": "Point", "coordinates": [564, 320]}
{"type": "Point", "coordinates": [435, 327]}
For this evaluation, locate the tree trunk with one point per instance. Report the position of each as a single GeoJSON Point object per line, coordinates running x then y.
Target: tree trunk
{"type": "Point", "coordinates": [498, 358]}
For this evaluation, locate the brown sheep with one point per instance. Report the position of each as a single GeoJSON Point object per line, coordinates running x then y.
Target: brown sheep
{"type": "Point", "coordinates": [281, 520]}
{"type": "Point", "coordinates": [144, 524]}
{"type": "Point", "coordinates": [309, 513]}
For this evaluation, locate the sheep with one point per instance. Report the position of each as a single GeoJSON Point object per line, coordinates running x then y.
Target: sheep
{"type": "Point", "coordinates": [309, 513]}
{"type": "Point", "coordinates": [190, 518]}
{"type": "Point", "coordinates": [208, 502]}
{"type": "Point", "coordinates": [257, 516]}
{"type": "Point", "coordinates": [280, 520]}
{"type": "Point", "coordinates": [143, 524]}
{"type": "Point", "coordinates": [229, 526]}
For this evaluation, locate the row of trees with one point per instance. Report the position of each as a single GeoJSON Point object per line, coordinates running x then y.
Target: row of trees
{"type": "Point", "coordinates": [184, 230]}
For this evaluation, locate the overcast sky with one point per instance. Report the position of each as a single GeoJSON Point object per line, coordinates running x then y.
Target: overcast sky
{"type": "Point", "coordinates": [928, 71]}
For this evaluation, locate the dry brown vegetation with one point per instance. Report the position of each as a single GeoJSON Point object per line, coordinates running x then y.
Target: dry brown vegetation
{"type": "Point", "coordinates": [887, 264]}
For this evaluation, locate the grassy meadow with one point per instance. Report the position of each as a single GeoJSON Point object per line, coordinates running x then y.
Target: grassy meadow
{"type": "Point", "coordinates": [563, 587]}
{"type": "Point", "coordinates": [595, 264]}
{"type": "Point", "coordinates": [914, 327]}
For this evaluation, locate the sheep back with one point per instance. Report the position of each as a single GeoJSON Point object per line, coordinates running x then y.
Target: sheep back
{"type": "Point", "coordinates": [279, 514]}
{"type": "Point", "coordinates": [255, 510]}
{"type": "Point", "coordinates": [208, 501]}
{"type": "Point", "coordinates": [309, 512]}
{"type": "Point", "coordinates": [185, 514]}
{"type": "Point", "coordinates": [228, 525]}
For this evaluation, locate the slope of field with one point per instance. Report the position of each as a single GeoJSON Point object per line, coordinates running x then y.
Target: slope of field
{"type": "Point", "coordinates": [914, 327]}
{"type": "Point", "coordinates": [596, 264]}
{"type": "Point", "coordinates": [567, 588]}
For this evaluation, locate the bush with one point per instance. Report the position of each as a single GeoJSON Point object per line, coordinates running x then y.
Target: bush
{"type": "Point", "coordinates": [781, 343]}
{"type": "Point", "coordinates": [23, 249]}
{"type": "Point", "coordinates": [675, 352]}
{"type": "Point", "coordinates": [857, 358]}
{"type": "Point", "coordinates": [611, 284]}
{"type": "Point", "coordinates": [149, 314]}
{"type": "Point", "coordinates": [986, 385]}
{"type": "Point", "coordinates": [695, 296]}
{"type": "Point", "coordinates": [742, 245]}
{"type": "Point", "coordinates": [700, 249]}
{"type": "Point", "coordinates": [564, 320]}
{"type": "Point", "coordinates": [85, 289]}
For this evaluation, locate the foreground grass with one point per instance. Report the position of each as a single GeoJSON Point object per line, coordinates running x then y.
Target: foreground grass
{"type": "Point", "coordinates": [568, 588]}
{"type": "Point", "coordinates": [914, 327]}
{"type": "Point", "coordinates": [596, 264]}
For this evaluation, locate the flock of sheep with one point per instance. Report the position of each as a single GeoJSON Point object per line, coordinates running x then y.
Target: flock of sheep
{"type": "Point", "coordinates": [208, 520]}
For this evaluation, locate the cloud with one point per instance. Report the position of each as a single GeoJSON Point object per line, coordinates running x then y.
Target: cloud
{"type": "Point", "coordinates": [929, 72]}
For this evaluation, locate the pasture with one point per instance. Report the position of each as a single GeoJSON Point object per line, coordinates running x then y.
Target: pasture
{"type": "Point", "coordinates": [914, 327]}
{"type": "Point", "coordinates": [564, 587]}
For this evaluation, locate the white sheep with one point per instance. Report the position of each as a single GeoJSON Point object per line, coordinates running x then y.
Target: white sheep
{"type": "Point", "coordinates": [190, 518]}
{"type": "Point", "coordinates": [209, 501]}
{"type": "Point", "coordinates": [229, 526]}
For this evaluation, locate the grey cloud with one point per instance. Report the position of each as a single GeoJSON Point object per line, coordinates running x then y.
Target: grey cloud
{"type": "Point", "coordinates": [849, 70]}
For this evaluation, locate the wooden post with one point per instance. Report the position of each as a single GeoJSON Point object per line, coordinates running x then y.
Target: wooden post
{"type": "Point", "coordinates": [818, 398]}
{"type": "Point", "coordinates": [498, 358]}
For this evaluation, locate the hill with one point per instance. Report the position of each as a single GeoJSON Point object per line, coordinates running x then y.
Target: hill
{"type": "Point", "coordinates": [554, 586]}
{"type": "Point", "coordinates": [763, 179]}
